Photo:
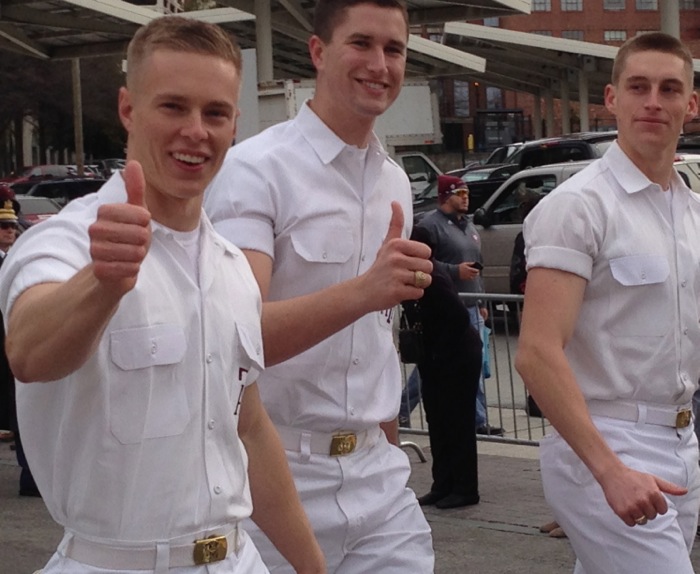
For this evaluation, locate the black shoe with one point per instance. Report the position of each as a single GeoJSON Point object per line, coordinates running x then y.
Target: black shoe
{"type": "Point", "coordinates": [430, 498]}
{"type": "Point", "coordinates": [487, 429]}
{"type": "Point", "coordinates": [29, 491]}
{"type": "Point", "coordinates": [457, 501]}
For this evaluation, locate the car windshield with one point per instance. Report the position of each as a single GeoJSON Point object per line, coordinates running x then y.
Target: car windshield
{"type": "Point", "coordinates": [476, 175]}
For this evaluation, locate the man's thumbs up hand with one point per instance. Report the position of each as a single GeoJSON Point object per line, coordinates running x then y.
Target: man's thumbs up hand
{"type": "Point", "coordinates": [121, 235]}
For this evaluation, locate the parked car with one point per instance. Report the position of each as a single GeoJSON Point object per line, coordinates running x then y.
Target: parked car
{"type": "Point", "coordinates": [501, 219]}
{"type": "Point", "coordinates": [481, 182]}
{"type": "Point", "coordinates": [689, 143]}
{"type": "Point", "coordinates": [106, 167]}
{"type": "Point", "coordinates": [60, 190]}
{"type": "Point", "coordinates": [41, 172]}
{"type": "Point", "coordinates": [35, 209]}
{"type": "Point", "coordinates": [688, 166]}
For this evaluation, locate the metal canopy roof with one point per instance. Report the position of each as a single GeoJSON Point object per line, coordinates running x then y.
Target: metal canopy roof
{"type": "Point", "coordinates": [531, 63]}
{"type": "Point", "coordinates": [61, 29]}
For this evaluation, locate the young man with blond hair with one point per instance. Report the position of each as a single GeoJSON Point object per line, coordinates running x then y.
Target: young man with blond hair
{"type": "Point", "coordinates": [611, 328]}
{"type": "Point", "coordinates": [134, 329]}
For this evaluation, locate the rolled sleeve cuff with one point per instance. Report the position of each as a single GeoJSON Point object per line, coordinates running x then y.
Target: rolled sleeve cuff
{"type": "Point", "coordinates": [34, 273]}
{"type": "Point", "coordinates": [562, 259]}
{"type": "Point", "coordinates": [250, 234]}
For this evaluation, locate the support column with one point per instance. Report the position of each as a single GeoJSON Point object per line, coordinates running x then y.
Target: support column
{"type": "Point", "coordinates": [670, 17]}
{"type": "Point", "coordinates": [537, 116]}
{"type": "Point", "coordinates": [549, 112]}
{"type": "Point", "coordinates": [583, 101]}
{"type": "Point", "coordinates": [78, 117]}
{"type": "Point", "coordinates": [263, 40]}
{"type": "Point", "coordinates": [565, 105]}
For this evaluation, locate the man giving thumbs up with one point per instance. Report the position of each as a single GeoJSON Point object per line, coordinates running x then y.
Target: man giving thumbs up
{"type": "Point", "coordinates": [320, 211]}
{"type": "Point", "coordinates": [139, 327]}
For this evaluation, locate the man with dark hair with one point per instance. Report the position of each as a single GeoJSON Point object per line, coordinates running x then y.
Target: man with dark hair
{"type": "Point", "coordinates": [318, 207]}
{"type": "Point", "coordinates": [611, 328]}
{"type": "Point", "coordinates": [134, 333]}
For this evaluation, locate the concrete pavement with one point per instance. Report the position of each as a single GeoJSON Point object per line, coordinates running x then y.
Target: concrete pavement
{"type": "Point", "coordinates": [498, 536]}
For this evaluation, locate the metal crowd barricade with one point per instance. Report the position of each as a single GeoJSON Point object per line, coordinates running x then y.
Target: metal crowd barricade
{"type": "Point", "coordinates": [506, 396]}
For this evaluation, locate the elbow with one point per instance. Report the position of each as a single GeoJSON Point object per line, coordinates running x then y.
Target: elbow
{"type": "Point", "coordinates": [19, 363]}
{"type": "Point", "coordinates": [525, 364]}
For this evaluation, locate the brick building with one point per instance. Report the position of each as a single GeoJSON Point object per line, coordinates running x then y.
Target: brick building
{"type": "Point", "coordinates": [610, 22]}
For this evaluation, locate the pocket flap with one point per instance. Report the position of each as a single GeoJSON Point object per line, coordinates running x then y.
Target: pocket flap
{"type": "Point", "coordinates": [151, 346]}
{"type": "Point", "coordinates": [640, 269]}
{"type": "Point", "coordinates": [323, 245]}
{"type": "Point", "coordinates": [251, 341]}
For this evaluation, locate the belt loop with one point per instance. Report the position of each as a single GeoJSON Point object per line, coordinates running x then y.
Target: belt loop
{"type": "Point", "coordinates": [63, 545]}
{"type": "Point", "coordinates": [162, 558]}
{"type": "Point", "coordinates": [642, 415]}
{"type": "Point", "coordinates": [305, 446]}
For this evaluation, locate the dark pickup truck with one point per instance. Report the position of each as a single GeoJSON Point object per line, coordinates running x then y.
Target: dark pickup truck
{"type": "Point", "coordinates": [484, 182]}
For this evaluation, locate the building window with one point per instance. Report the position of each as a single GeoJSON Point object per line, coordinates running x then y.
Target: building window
{"type": "Point", "coordinates": [461, 93]}
{"type": "Point", "coordinates": [615, 35]}
{"type": "Point", "coordinates": [647, 4]}
{"type": "Point", "coordinates": [690, 4]}
{"type": "Point", "coordinates": [494, 98]}
{"type": "Point", "coordinates": [614, 4]}
{"type": "Point", "coordinates": [542, 32]}
{"type": "Point", "coordinates": [571, 5]}
{"type": "Point", "coordinates": [541, 5]}
{"type": "Point", "coordinates": [572, 34]}
{"type": "Point", "coordinates": [491, 22]}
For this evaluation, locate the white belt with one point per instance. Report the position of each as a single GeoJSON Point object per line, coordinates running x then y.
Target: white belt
{"type": "Point", "coordinates": [664, 415]}
{"type": "Point", "coordinates": [340, 443]}
{"type": "Point", "coordinates": [112, 557]}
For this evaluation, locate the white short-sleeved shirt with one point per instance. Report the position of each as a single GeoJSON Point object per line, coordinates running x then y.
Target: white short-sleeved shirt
{"type": "Point", "coordinates": [638, 333]}
{"type": "Point", "coordinates": [321, 210]}
{"type": "Point", "coordinates": [141, 442]}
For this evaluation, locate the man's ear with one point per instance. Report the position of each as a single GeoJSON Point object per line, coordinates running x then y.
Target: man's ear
{"type": "Point", "coordinates": [609, 97]}
{"type": "Point", "coordinates": [125, 107]}
{"type": "Point", "coordinates": [692, 107]}
{"type": "Point", "coordinates": [316, 51]}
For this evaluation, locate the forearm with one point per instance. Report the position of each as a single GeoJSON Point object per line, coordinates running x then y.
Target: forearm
{"type": "Point", "coordinates": [295, 325]}
{"type": "Point", "coordinates": [277, 509]}
{"type": "Point", "coordinates": [391, 430]}
{"type": "Point", "coordinates": [552, 384]}
{"type": "Point", "coordinates": [54, 327]}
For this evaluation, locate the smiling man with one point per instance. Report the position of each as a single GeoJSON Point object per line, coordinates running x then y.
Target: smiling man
{"type": "Point", "coordinates": [318, 208]}
{"type": "Point", "coordinates": [138, 327]}
{"type": "Point", "coordinates": [611, 328]}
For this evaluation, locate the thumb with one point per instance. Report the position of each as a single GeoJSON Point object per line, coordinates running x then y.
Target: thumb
{"type": "Point", "coordinates": [669, 487]}
{"type": "Point", "coordinates": [135, 183]}
{"type": "Point", "coordinates": [396, 223]}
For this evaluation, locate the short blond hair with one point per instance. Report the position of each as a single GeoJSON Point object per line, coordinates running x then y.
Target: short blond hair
{"type": "Point", "coordinates": [183, 35]}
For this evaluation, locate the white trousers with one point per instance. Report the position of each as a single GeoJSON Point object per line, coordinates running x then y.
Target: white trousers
{"type": "Point", "coordinates": [603, 543]}
{"type": "Point", "coordinates": [247, 561]}
{"type": "Point", "coordinates": [365, 518]}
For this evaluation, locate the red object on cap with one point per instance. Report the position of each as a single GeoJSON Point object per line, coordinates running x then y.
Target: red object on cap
{"type": "Point", "coordinates": [448, 185]}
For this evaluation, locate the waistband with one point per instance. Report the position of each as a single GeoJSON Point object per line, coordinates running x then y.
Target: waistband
{"type": "Point", "coordinates": [339, 443]}
{"type": "Point", "coordinates": [156, 556]}
{"type": "Point", "coordinates": [674, 416]}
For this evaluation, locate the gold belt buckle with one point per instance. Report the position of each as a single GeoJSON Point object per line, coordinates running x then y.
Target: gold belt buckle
{"type": "Point", "coordinates": [683, 418]}
{"type": "Point", "coordinates": [343, 444]}
{"type": "Point", "coordinates": [208, 550]}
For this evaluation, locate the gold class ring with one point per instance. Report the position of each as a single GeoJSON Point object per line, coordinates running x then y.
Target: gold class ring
{"type": "Point", "coordinates": [420, 279]}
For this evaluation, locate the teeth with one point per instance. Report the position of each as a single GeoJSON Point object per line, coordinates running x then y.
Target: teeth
{"type": "Point", "coordinates": [374, 85]}
{"type": "Point", "coordinates": [188, 158]}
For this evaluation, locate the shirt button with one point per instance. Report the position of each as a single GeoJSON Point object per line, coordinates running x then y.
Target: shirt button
{"type": "Point", "coordinates": [211, 424]}
{"type": "Point", "coordinates": [355, 361]}
{"type": "Point", "coordinates": [683, 283]}
{"type": "Point", "coordinates": [154, 348]}
{"type": "Point", "coordinates": [685, 331]}
{"type": "Point", "coordinates": [325, 255]}
{"type": "Point", "coordinates": [644, 275]}
{"type": "Point", "coordinates": [363, 258]}
{"type": "Point", "coordinates": [209, 358]}
{"type": "Point", "coordinates": [217, 490]}
{"type": "Point", "coordinates": [352, 411]}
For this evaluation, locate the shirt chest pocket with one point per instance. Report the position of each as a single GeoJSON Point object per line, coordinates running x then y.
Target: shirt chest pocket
{"type": "Point", "coordinates": [640, 303]}
{"type": "Point", "coordinates": [147, 390]}
{"type": "Point", "coordinates": [323, 244]}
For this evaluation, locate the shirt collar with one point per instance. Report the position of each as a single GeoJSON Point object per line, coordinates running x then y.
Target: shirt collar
{"type": "Point", "coordinates": [322, 139]}
{"type": "Point", "coordinates": [628, 175]}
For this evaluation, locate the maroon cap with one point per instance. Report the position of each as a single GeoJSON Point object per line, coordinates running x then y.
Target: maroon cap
{"type": "Point", "coordinates": [448, 185]}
